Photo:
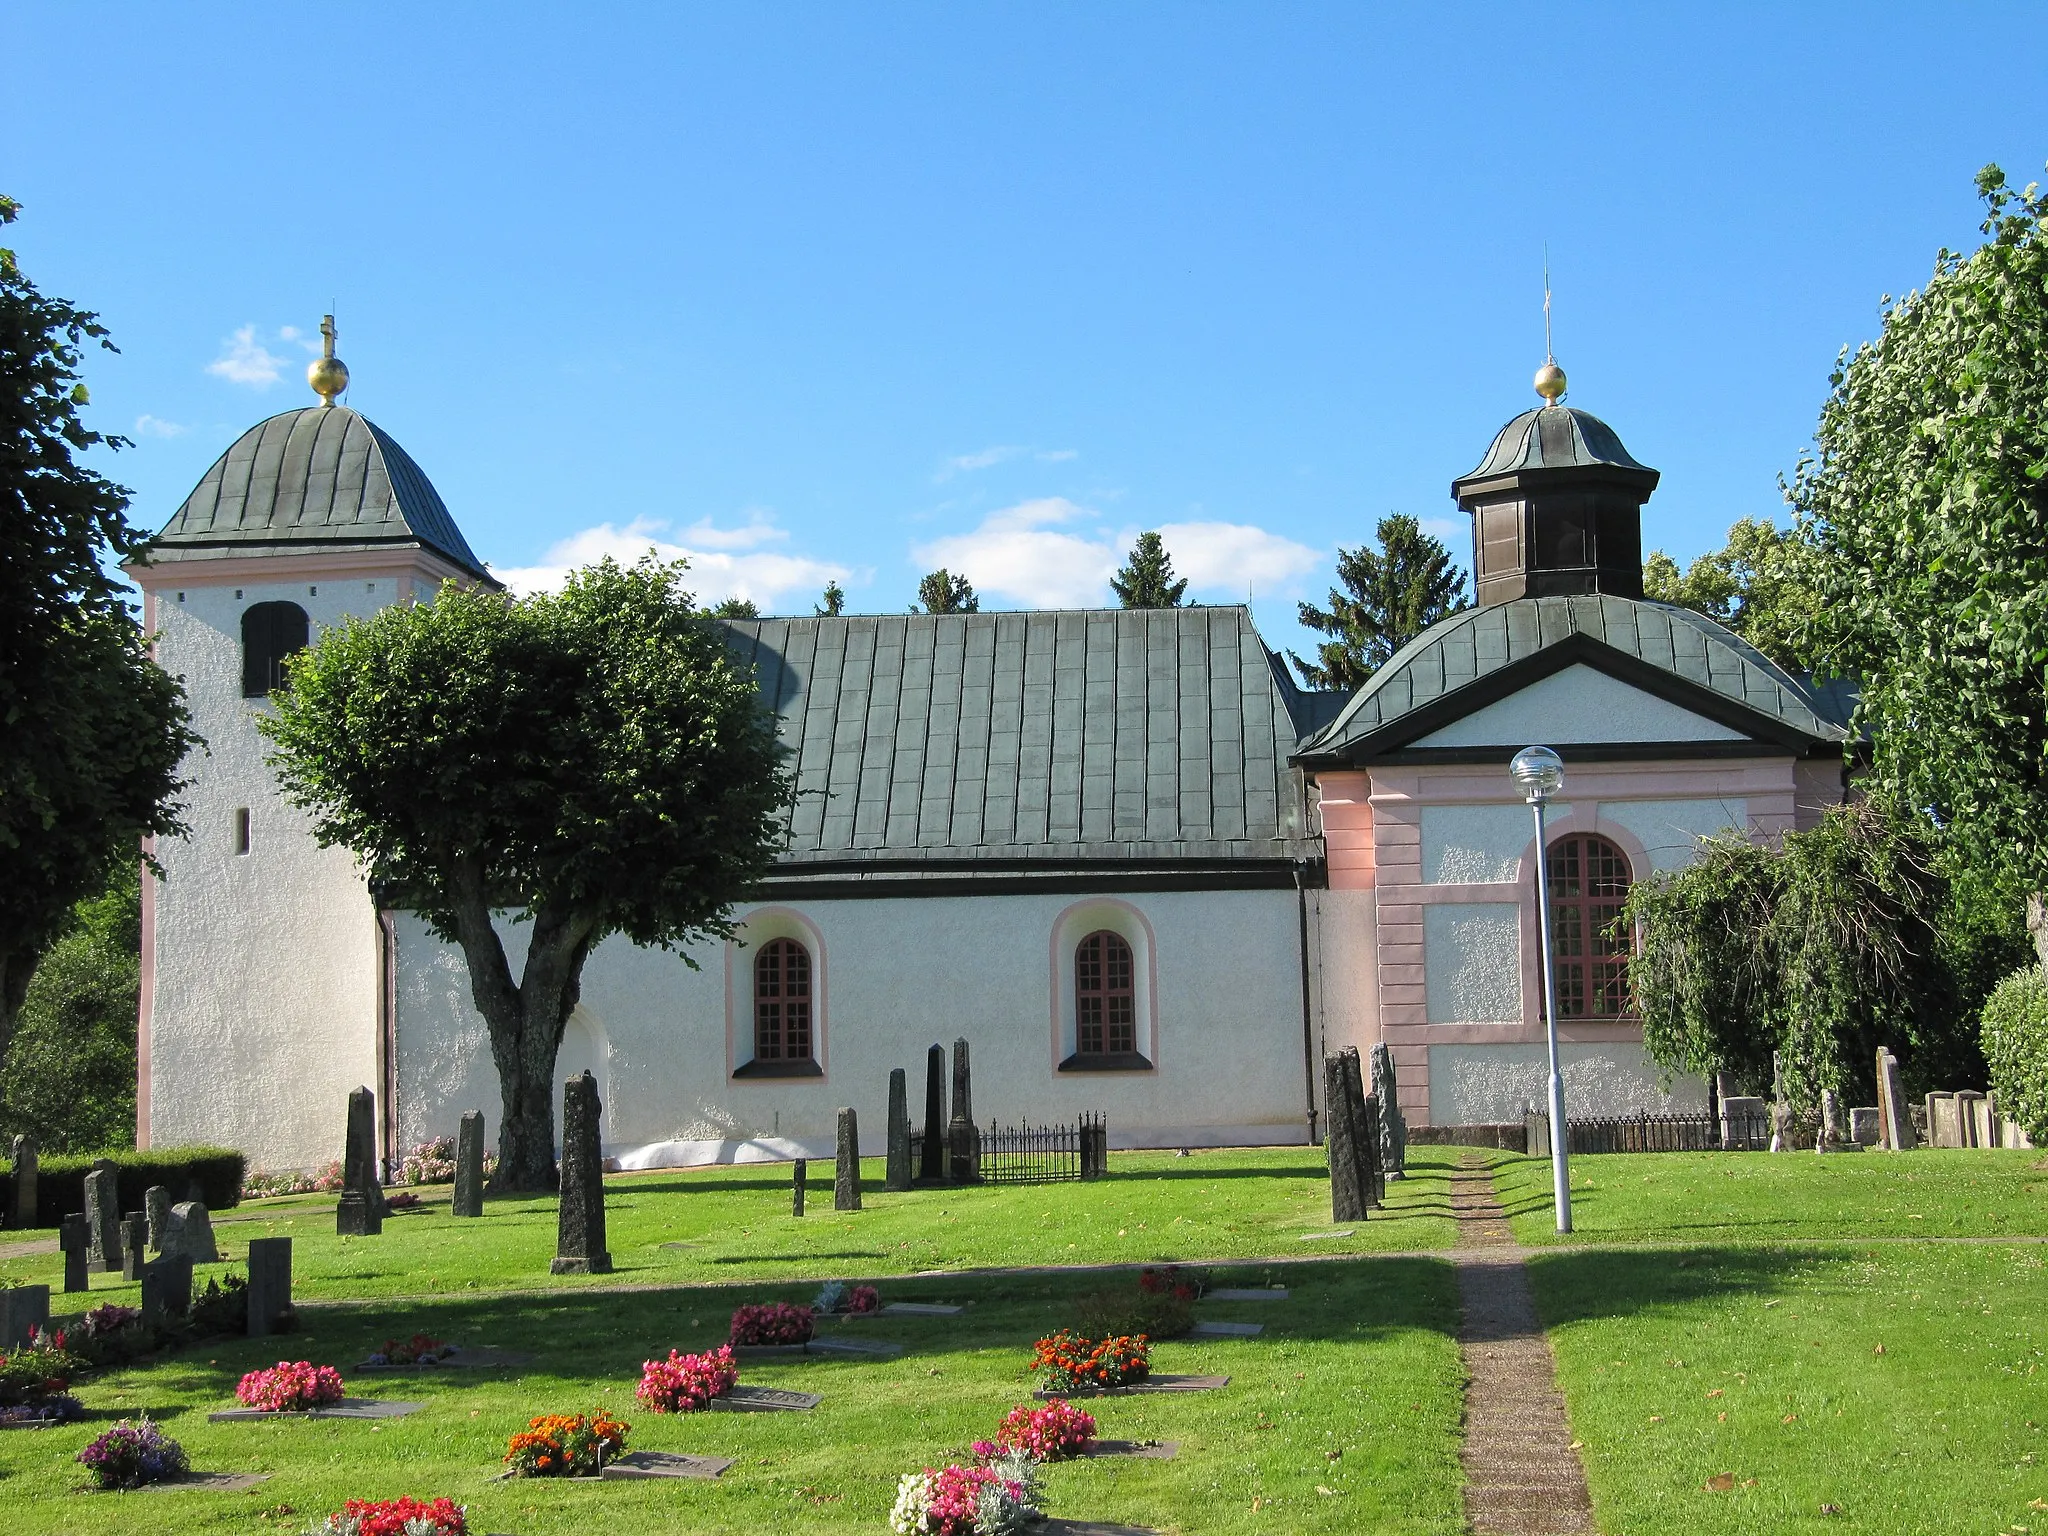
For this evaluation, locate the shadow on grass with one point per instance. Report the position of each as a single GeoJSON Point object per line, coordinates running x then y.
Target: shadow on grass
{"type": "Point", "coordinates": [1573, 1287]}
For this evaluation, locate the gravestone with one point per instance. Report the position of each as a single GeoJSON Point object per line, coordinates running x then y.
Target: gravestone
{"type": "Point", "coordinates": [846, 1175]}
{"type": "Point", "coordinates": [359, 1153]}
{"type": "Point", "coordinates": [21, 1182]}
{"type": "Point", "coordinates": [156, 1205]}
{"type": "Point", "coordinates": [354, 1216]}
{"type": "Point", "coordinates": [1944, 1124]}
{"type": "Point", "coordinates": [166, 1289]}
{"type": "Point", "coordinates": [1896, 1122]}
{"type": "Point", "coordinates": [963, 1136]}
{"type": "Point", "coordinates": [1369, 1143]}
{"type": "Point", "coordinates": [1393, 1124]}
{"type": "Point", "coordinates": [579, 1241]}
{"type": "Point", "coordinates": [189, 1233]}
{"type": "Point", "coordinates": [103, 1215]}
{"type": "Point", "coordinates": [469, 1166]}
{"type": "Point", "coordinates": [23, 1309]}
{"type": "Point", "coordinates": [796, 1186]}
{"type": "Point", "coordinates": [1340, 1142]}
{"type": "Point", "coordinates": [270, 1283]}
{"type": "Point", "coordinates": [1365, 1124]}
{"type": "Point", "coordinates": [1829, 1137]}
{"type": "Point", "coordinates": [1781, 1110]}
{"type": "Point", "coordinates": [1979, 1114]}
{"type": "Point", "coordinates": [934, 1169]}
{"type": "Point", "coordinates": [75, 1239]}
{"type": "Point", "coordinates": [1743, 1122]}
{"type": "Point", "coordinates": [1864, 1127]}
{"type": "Point", "coordinates": [134, 1245]}
{"type": "Point", "coordinates": [898, 1173]}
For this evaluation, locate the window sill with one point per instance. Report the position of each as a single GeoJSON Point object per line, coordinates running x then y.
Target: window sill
{"type": "Point", "coordinates": [760, 1068]}
{"type": "Point", "coordinates": [1111, 1061]}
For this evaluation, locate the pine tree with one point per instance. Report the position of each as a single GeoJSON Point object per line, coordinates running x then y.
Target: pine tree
{"type": "Point", "coordinates": [834, 601]}
{"type": "Point", "coordinates": [943, 592]}
{"type": "Point", "coordinates": [1146, 581]}
{"type": "Point", "coordinates": [1390, 596]}
{"type": "Point", "coordinates": [737, 608]}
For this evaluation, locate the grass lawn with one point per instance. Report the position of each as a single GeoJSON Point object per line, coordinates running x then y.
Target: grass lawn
{"type": "Point", "coordinates": [1363, 1361]}
{"type": "Point", "coordinates": [1760, 1364]}
{"type": "Point", "coordinates": [733, 1224]}
{"type": "Point", "coordinates": [1745, 1197]}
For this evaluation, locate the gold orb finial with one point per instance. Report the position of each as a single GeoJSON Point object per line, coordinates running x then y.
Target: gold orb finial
{"type": "Point", "coordinates": [1550, 382]}
{"type": "Point", "coordinates": [327, 373]}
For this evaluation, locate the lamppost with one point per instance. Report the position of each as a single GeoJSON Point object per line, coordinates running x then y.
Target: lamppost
{"type": "Point", "coordinates": [1539, 772]}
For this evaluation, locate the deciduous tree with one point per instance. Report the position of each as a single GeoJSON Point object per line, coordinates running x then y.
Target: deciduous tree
{"type": "Point", "coordinates": [1389, 596]}
{"type": "Point", "coordinates": [943, 592]}
{"type": "Point", "coordinates": [1760, 585]}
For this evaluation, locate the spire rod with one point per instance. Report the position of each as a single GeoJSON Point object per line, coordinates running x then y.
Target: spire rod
{"type": "Point", "coordinates": [1550, 379]}
{"type": "Point", "coordinates": [327, 374]}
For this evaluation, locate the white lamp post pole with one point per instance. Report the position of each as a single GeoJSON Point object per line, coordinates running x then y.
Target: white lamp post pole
{"type": "Point", "coordinates": [1540, 773]}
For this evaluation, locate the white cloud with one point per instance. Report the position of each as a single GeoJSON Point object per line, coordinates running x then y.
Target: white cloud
{"type": "Point", "coordinates": [777, 582]}
{"type": "Point", "coordinates": [758, 529]}
{"type": "Point", "coordinates": [245, 360]}
{"type": "Point", "coordinates": [312, 344]}
{"type": "Point", "coordinates": [1057, 455]}
{"type": "Point", "coordinates": [1001, 453]}
{"type": "Point", "coordinates": [1028, 554]}
{"type": "Point", "coordinates": [156, 426]}
{"type": "Point", "coordinates": [1454, 531]}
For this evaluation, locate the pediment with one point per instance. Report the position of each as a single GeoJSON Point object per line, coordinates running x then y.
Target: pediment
{"type": "Point", "coordinates": [1578, 703]}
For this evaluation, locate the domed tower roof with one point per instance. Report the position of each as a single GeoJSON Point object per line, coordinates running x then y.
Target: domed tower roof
{"type": "Point", "coordinates": [324, 478]}
{"type": "Point", "coordinates": [1552, 437]}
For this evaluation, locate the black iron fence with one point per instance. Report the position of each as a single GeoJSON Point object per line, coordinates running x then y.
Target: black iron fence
{"type": "Point", "coordinates": [1654, 1133]}
{"type": "Point", "coordinates": [1034, 1154]}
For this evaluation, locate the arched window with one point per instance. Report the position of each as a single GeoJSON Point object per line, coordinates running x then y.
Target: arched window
{"type": "Point", "coordinates": [1105, 1002]}
{"type": "Point", "coordinates": [272, 633]}
{"type": "Point", "coordinates": [1589, 881]}
{"type": "Point", "coordinates": [782, 1002]}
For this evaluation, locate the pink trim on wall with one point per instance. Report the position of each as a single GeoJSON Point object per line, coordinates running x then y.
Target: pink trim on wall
{"type": "Point", "coordinates": [1062, 968]}
{"type": "Point", "coordinates": [270, 570]}
{"type": "Point", "coordinates": [1347, 830]}
{"type": "Point", "coordinates": [821, 1036]}
{"type": "Point", "coordinates": [147, 1004]}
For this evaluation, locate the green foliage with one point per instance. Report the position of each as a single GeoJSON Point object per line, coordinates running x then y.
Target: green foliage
{"type": "Point", "coordinates": [2016, 1049]}
{"type": "Point", "coordinates": [1147, 579]}
{"type": "Point", "coordinates": [736, 608]}
{"type": "Point", "coordinates": [1758, 586]}
{"type": "Point", "coordinates": [215, 1171]}
{"type": "Point", "coordinates": [833, 603]}
{"type": "Point", "coordinates": [1389, 596]}
{"type": "Point", "coordinates": [943, 592]}
{"type": "Point", "coordinates": [91, 730]}
{"type": "Point", "coordinates": [1818, 949]}
{"type": "Point", "coordinates": [1927, 499]}
{"type": "Point", "coordinates": [595, 760]}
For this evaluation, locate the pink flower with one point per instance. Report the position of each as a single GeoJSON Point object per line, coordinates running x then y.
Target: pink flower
{"type": "Point", "coordinates": [290, 1387]}
{"type": "Point", "coordinates": [686, 1383]}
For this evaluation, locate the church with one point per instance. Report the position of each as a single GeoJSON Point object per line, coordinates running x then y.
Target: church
{"type": "Point", "coordinates": [1120, 852]}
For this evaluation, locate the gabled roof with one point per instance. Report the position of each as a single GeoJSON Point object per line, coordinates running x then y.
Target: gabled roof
{"type": "Point", "coordinates": [1015, 739]}
{"type": "Point", "coordinates": [324, 477]}
{"type": "Point", "coordinates": [1484, 654]}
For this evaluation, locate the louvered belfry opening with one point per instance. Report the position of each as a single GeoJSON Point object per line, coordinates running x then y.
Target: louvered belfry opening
{"type": "Point", "coordinates": [272, 633]}
{"type": "Point", "coordinates": [782, 1002]}
{"type": "Point", "coordinates": [1589, 881]}
{"type": "Point", "coordinates": [1105, 1005]}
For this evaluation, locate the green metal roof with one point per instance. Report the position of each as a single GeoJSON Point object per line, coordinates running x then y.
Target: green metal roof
{"type": "Point", "coordinates": [1478, 655]}
{"type": "Point", "coordinates": [318, 478]}
{"type": "Point", "coordinates": [1019, 738]}
{"type": "Point", "coordinates": [1553, 437]}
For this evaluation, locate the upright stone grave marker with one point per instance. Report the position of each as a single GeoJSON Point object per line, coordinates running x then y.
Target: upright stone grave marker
{"type": "Point", "coordinates": [1944, 1124]}
{"type": "Point", "coordinates": [189, 1233]}
{"type": "Point", "coordinates": [1365, 1128]}
{"type": "Point", "coordinates": [934, 1169]}
{"type": "Point", "coordinates": [846, 1176]}
{"type": "Point", "coordinates": [354, 1216]}
{"type": "Point", "coordinates": [75, 1238]}
{"type": "Point", "coordinates": [1375, 1175]}
{"type": "Point", "coordinates": [359, 1153]}
{"type": "Point", "coordinates": [1973, 1114]}
{"type": "Point", "coordinates": [103, 1215]}
{"type": "Point", "coordinates": [270, 1283]}
{"type": "Point", "coordinates": [1340, 1141]}
{"type": "Point", "coordinates": [469, 1166]}
{"type": "Point", "coordinates": [1829, 1137]}
{"type": "Point", "coordinates": [579, 1242]}
{"type": "Point", "coordinates": [797, 1173]}
{"type": "Point", "coordinates": [21, 1182]}
{"type": "Point", "coordinates": [963, 1136]}
{"type": "Point", "coordinates": [1393, 1124]}
{"type": "Point", "coordinates": [1865, 1126]}
{"type": "Point", "coordinates": [134, 1245]}
{"type": "Point", "coordinates": [156, 1205]}
{"type": "Point", "coordinates": [23, 1309]}
{"type": "Point", "coordinates": [898, 1174]}
{"type": "Point", "coordinates": [1896, 1123]}
{"type": "Point", "coordinates": [166, 1289]}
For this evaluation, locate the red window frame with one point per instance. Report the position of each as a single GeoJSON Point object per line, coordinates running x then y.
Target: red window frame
{"type": "Point", "coordinates": [1105, 996]}
{"type": "Point", "coordinates": [782, 1002]}
{"type": "Point", "coordinates": [1589, 881]}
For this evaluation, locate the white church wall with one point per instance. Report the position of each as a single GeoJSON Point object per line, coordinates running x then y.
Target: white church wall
{"type": "Point", "coordinates": [1544, 710]}
{"type": "Point", "coordinates": [1222, 971]}
{"type": "Point", "coordinates": [1478, 844]}
{"type": "Point", "coordinates": [1472, 959]}
{"type": "Point", "coordinates": [1488, 1084]}
{"type": "Point", "coordinates": [1670, 830]}
{"type": "Point", "coordinates": [1347, 956]}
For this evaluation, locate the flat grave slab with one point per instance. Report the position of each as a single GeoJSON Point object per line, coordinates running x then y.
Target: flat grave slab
{"type": "Point", "coordinates": [765, 1400]}
{"type": "Point", "coordinates": [920, 1309]}
{"type": "Point", "coordinates": [1264, 1293]}
{"type": "Point", "coordinates": [636, 1464]}
{"type": "Point", "coordinates": [206, 1482]}
{"type": "Point", "coordinates": [34, 1423]}
{"type": "Point", "coordinates": [1091, 1528]}
{"type": "Point", "coordinates": [859, 1349]}
{"type": "Point", "coordinates": [1147, 1450]}
{"type": "Point", "coordinates": [1217, 1330]}
{"type": "Point", "coordinates": [1140, 1388]}
{"type": "Point", "coordinates": [483, 1357]}
{"type": "Point", "coordinates": [347, 1408]}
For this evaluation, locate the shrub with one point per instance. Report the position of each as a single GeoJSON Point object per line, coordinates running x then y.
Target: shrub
{"type": "Point", "coordinates": [216, 1171]}
{"type": "Point", "coordinates": [395, 1517]}
{"type": "Point", "coordinates": [290, 1386]}
{"type": "Point", "coordinates": [965, 1501]}
{"type": "Point", "coordinates": [686, 1383]}
{"type": "Point", "coordinates": [431, 1162]}
{"type": "Point", "coordinates": [1072, 1362]}
{"type": "Point", "coordinates": [772, 1322]}
{"type": "Point", "coordinates": [2016, 1049]}
{"type": "Point", "coordinates": [129, 1455]}
{"type": "Point", "coordinates": [1050, 1431]}
{"type": "Point", "coordinates": [566, 1445]}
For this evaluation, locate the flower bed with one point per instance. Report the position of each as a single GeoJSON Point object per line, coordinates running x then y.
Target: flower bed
{"type": "Point", "coordinates": [52, 1408]}
{"type": "Point", "coordinates": [290, 1386]}
{"type": "Point", "coordinates": [130, 1455]}
{"type": "Point", "coordinates": [772, 1322]}
{"type": "Point", "coordinates": [431, 1162]}
{"type": "Point", "coordinates": [258, 1185]}
{"type": "Point", "coordinates": [836, 1297]}
{"type": "Point", "coordinates": [420, 1349]}
{"type": "Point", "coordinates": [1050, 1431]}
{"type": "Point", "coordinates": [395, 1517]}
{"type": "Point", "coordinates": [964, 1501]}
{"type": "Point", "coordinates": [566, 1445]}
{"type": "Point", "coordinates": [41, 1369]}
{"type": "Point", "coordinates": [1071, 1361]}
{"type": "Point", "coordinates": [687, 1383]}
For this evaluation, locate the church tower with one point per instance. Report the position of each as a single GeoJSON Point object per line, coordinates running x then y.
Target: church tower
{"type": "Point", "coordinates": [263, 957]}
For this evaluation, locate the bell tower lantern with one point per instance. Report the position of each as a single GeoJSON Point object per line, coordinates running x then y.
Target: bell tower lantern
{"type": "Point", "coordinates": [1556, 505]}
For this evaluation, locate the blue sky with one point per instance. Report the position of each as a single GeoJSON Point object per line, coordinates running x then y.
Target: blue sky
{"type": "Point", "coordinates": [851, 291]}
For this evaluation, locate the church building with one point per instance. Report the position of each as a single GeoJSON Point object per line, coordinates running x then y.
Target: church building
{"type": "Point", "coordinates": [1120, 852]}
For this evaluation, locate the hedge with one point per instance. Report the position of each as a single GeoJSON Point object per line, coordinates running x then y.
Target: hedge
{"type": "Point", "coordinates": [2016, 1049]}
{"type": "Point", "coordinates": [209, 1174]}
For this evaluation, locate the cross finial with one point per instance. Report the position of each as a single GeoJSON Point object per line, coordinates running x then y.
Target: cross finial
{"type": "Point", "coordinates": [328, 332]}
{"type": "Point", "coordinates": [1549, 378]}
{"type": "Point", "coordinates": [327, 373]}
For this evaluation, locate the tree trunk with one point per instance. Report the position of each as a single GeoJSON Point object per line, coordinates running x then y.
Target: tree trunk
{"type": "Point", "coordinates": [2037, 924]}
{"type": "Point", "coordinates": [526, 1020]}
{"type": "Point", "coordinates": [16, 972]}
